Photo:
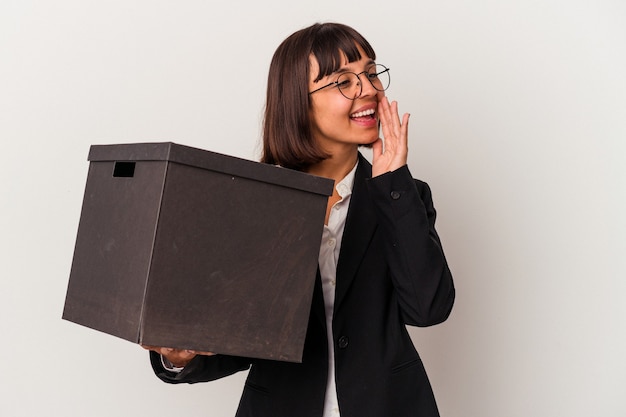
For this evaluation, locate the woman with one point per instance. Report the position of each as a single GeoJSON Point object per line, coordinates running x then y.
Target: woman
{"type": "Point", "coordinates": [381, 262]}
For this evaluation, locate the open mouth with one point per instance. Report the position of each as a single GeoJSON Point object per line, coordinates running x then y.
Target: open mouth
{"type": "Point", "coordinates": [364, 114]}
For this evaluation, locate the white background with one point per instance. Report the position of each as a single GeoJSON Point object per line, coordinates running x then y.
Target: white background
{"type": "Point", "coordinates": [518, 124]}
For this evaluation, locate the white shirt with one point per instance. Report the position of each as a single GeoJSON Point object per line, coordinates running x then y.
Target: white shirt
{"type": "Point", "coordinates": [329, 254]}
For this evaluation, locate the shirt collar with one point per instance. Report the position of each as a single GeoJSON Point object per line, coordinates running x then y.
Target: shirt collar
{"type": "Point", "coordinates": [344, 187]}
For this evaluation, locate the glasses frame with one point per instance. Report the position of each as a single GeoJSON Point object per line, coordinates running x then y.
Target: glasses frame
{"type": "Point", "coordinates": [358, 76]}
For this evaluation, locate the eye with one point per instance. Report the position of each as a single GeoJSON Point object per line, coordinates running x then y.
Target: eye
{"type": "Point", "coordinates": [344, 81]}
{"type": "Point", "coordinates": [373, 72]}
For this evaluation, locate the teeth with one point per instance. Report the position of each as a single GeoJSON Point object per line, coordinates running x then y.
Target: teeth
{"type": "Point", "coordinates": [363, 113]}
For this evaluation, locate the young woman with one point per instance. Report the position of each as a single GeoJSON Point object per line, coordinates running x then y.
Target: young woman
{"type": "Point", "coordinates": [381, 264]}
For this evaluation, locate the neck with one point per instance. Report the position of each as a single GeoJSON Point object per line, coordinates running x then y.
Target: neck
{"type": "Point", "coordinates": [336, 167]}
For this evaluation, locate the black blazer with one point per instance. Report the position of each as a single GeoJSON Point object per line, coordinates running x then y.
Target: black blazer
{"type": "Point", "coordinates": [391, 273]}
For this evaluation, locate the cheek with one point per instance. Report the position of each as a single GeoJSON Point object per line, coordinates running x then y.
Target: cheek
{"type": "Point", "coordinates": [330, 111]}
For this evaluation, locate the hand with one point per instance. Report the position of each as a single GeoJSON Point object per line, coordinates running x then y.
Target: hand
{"type": "Point", "coordinates": [177, 357]}
{"type": "Point", "coordinates": [392, 154]}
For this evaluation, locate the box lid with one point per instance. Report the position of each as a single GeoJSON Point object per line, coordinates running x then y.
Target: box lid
{"type": "Point", "coordinates": [169, 151]}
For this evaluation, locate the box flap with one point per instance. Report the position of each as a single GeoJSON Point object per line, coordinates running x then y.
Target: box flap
{"type": "Point", "coordinates": [172, 152]}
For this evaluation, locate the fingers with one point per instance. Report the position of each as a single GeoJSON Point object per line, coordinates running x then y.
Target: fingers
{"type": "Point", "coordinates": [202, 352]}
{"type": "Point", "coordinates": [178, 353]}
{"type": "Point", "coordinates": [390, 119]}
{"type": "Point", "coordinates": [404, 131]}
{"type": "Point", "coordinates": [393, 154]}
{"type": "Point", "coordinates": [177, 357]}
{"type": "Point", "coordinates": [392, 126]}
{"type": "Point", "coordinates": [377, 148]}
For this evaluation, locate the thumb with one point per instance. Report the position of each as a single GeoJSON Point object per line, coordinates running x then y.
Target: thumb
{"type": "Point", "coordinates": [377, 149]}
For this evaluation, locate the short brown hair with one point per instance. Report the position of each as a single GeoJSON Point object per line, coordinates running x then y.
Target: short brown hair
{"type": "Point", "coordinates": [287, 137]}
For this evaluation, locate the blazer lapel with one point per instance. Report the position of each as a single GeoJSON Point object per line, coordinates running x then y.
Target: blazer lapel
{"type": "Point", "coordinates": [361, 223]}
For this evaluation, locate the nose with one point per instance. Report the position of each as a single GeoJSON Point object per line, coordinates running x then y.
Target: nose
{"type": "Point", "coordinates": [367, 88]}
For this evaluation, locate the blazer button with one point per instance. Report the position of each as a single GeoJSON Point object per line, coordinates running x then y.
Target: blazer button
{"type": "Point", "coordinates": [343, 342]}
{"type": "Point", "coordinates": [395, 195]}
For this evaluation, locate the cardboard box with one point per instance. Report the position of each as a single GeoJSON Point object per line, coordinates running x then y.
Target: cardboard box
{"type": "Point", "coordinates": [187, 248]}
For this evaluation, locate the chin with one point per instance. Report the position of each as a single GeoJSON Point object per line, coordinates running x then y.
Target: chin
{"type": "Point", "coordinates": [369, 142]}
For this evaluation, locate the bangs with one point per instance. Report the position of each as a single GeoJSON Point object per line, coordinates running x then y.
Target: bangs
{"type": "Point", "coordinates": [334, 42]}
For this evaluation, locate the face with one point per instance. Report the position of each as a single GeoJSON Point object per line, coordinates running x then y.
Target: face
{"type": "Point", "coordinates": [337, 121]}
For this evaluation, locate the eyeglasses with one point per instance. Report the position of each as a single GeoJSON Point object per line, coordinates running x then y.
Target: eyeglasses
{"type": "Point", "coordinates": [349, 83]}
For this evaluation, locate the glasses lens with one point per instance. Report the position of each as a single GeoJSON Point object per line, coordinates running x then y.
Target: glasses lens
{"type": "Point", "coordinates": [349, 85]}
{"type": "Point", "coordinates": [379, 76]}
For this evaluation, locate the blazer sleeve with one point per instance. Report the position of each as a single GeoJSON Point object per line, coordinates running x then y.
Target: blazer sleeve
{"type": "Point", "coordinates": [200, 369]}
{"type": "Point", "coordinates": [418, 267]}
